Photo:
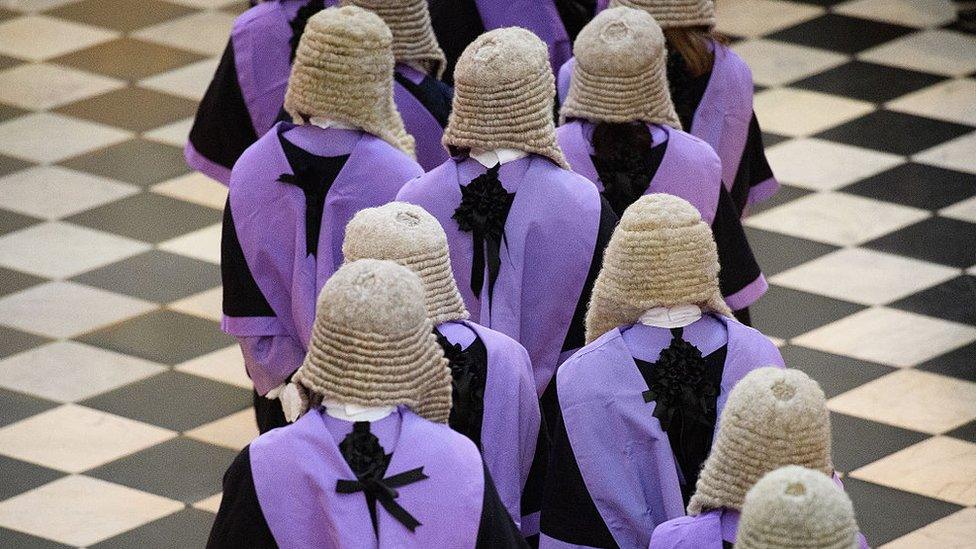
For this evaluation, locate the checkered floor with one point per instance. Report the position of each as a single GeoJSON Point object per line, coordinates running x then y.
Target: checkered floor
{"type": "Point", "coordinates": [121, 402]}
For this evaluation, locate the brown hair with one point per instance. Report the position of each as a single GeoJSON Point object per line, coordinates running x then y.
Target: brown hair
{"type": "Point", "coordinates": [692, 44]}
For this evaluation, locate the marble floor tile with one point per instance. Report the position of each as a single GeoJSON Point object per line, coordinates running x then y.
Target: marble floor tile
{"type": "Point", "coordinates": [900, 512]}
{"type": "Point", "coordinates": [225, 366]}
{"type": "Point", "coordinates": [912, 13]}
{"type": "Point", "coordinates": [120, 15]}
{"type": "Point", "coordinates": [941, 467]}
{"type": "Point", "coordinates": [958, 363]}
{"type": "Point", "coordinates": [937, 239]}
{"type": "Point", "coordinates": [127, 58]}
{"type": "Point", "coordinates": [14, 281]}
{"type": "Point", "coordinates": [135, 161]}
{"type": "Point", "coordinates": [841, 33]}
{"type": "Point", "coordinates": [147, 217]}
{"type": "Point", "coordinates": [210, 504]}
{"type": "Point", "coordinates": [951, 100]}
{"type": "Point", "coordinates": [31, 6]}
{"type": "Point", "coordinates": [801, 113]}
{"type": "Point", "coordinates": [81, 511]}
{"type": "Point", "coordinates": [822, 165]}
{"type": "Point", "coordinates": [155, 276]}
{"type": "Point", "coordinates": [958, 154]}
{"type": "Point", "coordinates": [67, 249]}
{"type": "Point", "coordinates": [957, 531]}
{"type": "Point", "coordinates": [889, 336]}
{"type": "Point", "coordinates": [918, 185]}
{"type": "Point", "coordinates": [38, 37]}
{"type": "Point", "coordinates": [836, 374]}
{"type": "Point", "coordinates": [68, 371]}
{"type": "Point", "coordinates": [868, 81]}
{"type": "Point", "coordinates": [194, 187]}
{"type": "Point", "coordinates": [858, 442]}
{"type": "Point", "coordinates": [937, 51]}
{"type": "Point", "coordinates": [48, 137]}
{"type": "Point", "coordinates": [911, 399]}
{"type": "Point", "coordinates": [739, 18]}
{"type": "Point", "coordinates": [186, 528]}
{"type": "Point", "coordinates": [203, 244]}
{"type": "Point", "coordinates": [775, 314]}
{"type": "Point", "coordinates": [16, 406]}
{"type": "Point", "coordinates": [776, 63]}
{"type": "Point", "coordinates": [963, 211]}
{"type": "Point", "coordinates": [40, 86]}
{"type": "Point", "coordinates": [20, 476]}
{"type": "Point", "coordinates": [153, 336]}
{"type": "Point", "coordinates": [115, 109]}
{"type": "Point", "coordinates": [836, 218]}
{"type": "Point", "coordinates": [206, 304]}
{"type": "Point", "coordinates": [953, 300]}
{"type": "Point", "coordinates": [74, 438]}
{"type": "Point", "coordinates": [777, 252]}
{"type": "Point", "coordinates": [895, 132]}
{"type": "Point", "coordinates": [234, 431]}
{"type": "Point", "coordinates": [203, 32]}
{"type": "Point", "coordinates": [53, 192]}
{"type": "Point", "coordinates": [864, 276]}
{"type": "Point", "coordinates": [175, 134]}
{"type": "Point", "coordinates": [52, 309]}
{"type": "Point", "coordinates": [189, 81]}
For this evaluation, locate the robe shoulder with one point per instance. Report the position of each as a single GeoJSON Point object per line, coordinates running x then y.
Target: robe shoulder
{"type": "Point", "coordinates": [679, 533]}
{"type": "Point", "coordinates": [741, 70]}
{"type": "Point", "coordinates": [396, 163]}
{"type": "Point", "coordinates": [240, 521]}
{"type": "Point", "coordinates": [261, 17]}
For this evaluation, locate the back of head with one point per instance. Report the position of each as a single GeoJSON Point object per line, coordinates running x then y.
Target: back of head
{"type": "Point", "coordinates": [504, 95]}
{"type": "Point", "coordinates": [410, 236]}
{"type": "Point", "coordinates": [372, 343]}
{"type": "Point", "coordinates": [620, 73]}
{"type": "Point", "coordinates": [413, 34]}
{"type": "Point", "coordinates": [661, 255]}
{"type": "Point", "coordinates": [773, 417]}
{"type": "Point", "coordinates": [343, 71]}
{"type": "Point", "coordinates": [796, 508]}
{"type": "Point", "coordinates": [675, 13]}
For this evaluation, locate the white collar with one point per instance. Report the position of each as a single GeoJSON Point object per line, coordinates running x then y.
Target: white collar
{"type": "Point", "coordinates": [490, 158]}
{"type": "Point", "coordinates": [353, 412]}
{"type": "Point", "coordinates": [671, 317]}
{"type": "Point", "coordinates": [326, 123]}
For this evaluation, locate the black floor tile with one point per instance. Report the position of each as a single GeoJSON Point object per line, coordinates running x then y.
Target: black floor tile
{"type": "Point", "coordinates": [14, 341]}
{"type": "Point", "coordinates": [770, 139]}
{"type": "Point", "coordinates": [12, 221]}
{"type": "Point", "coordinates": [836, 374]}
{"type": "Point", "coordinates": [10, 539]}
{"type": "Point", "coordinates": [885, 514]}
{"type": "Point", "coordinates": [182, 469]}
{"type": "Point", "coordinates": [868, 81]}
{"type": "Point", "coordinates": [895, 132]}
{"type": "Point", "coordinates": [776, 313]}
{"type": "Point", "coordinates": [187, 528]}
{"type": "Point", "coordinates": [938, 239]}
{"type": "Point", "coordinates": [17, 406]}
{"type": "Point", "coordinates": [14, 281]}
{"type": "Point", "coordinates": [19, 476]}
{"type": "Point", "coordinates": [952, 300]}
{"type": "Point", "coordinates": [959, 363]}
{"type": "Point", "coordinates": [858, 442]}
{"type": "Point", "coordinates": [8, 112]}
{"type": "Point", "coordinates": [120, 15]}
{"type": "Point", "coordinates": [132, 108]}
{"type": "Point", "coordinates": [148, 216]}
{"type": "Point", "coordinates": [128, 58]}
{"type": "Point", "coordinates": [786, 193]}
{"type": "Point", "coordinates": [824, 3]}
{"type": "Point", "coordinates": [135, 161]}
{"type": "Point", "coordinates": [9, 164]}
{"type": "Point", "coordinates": [174, 400]}
{"type": "Point", "coordinates": [917, 185]}
{"type": "Point", "coordinates": [777, 252]}
{"type": "Point", "coordinates": [161, 336]}
{"type": "Point", "coordinates": [966, 432]}
{"type": "Point", "coordinates": [155, 276]}
{"type": "Point", "coordinates": [840, 33]}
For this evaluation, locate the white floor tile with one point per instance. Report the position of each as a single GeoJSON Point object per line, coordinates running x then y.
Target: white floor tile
{"type": "Point", "coordinates": [910, 13]}
{"type": "Point", "coordinates": [958, 154]}
{"type": "Point", "coordinates": [889, 336]}
{"type": "Point", "coordinates": [67, 309]}
{"type": "Point", "coordinates": [211, 504]}
{"type": "Point", "coordinates": [39, 86]}
{"type": "Point", "coordinates": [793, 112]}
{"type": "Point", "coordinates": [190, 81]}
{"type": "Point", "coordinates": [225, 365]}
{"type": "Point", "coordinates": [936, 51]}
{"type": "Point", "coordinates": [195, 187]}
{"type": "Point", "coordinates": [758, 17]}
{"type": "Point", "coordinates": [836, 218]}
{"type": "Point", "coordinates": [68, 371]}
{"type": "Point", "coordinates": [956, 531]}
{"type": "Point", "coordinates": [175, 134]}
{"type": "Point", "coordinates": [952, 100]}
{"type": "Point", "coordinates": [776, 63]}
{"type": "Point", "coordinates": [963, 211]}
{"type": "Point", "coordinates": [68, 249]}
{"type": "Point", "coordinates": [234, 431]}
{"type": "Point", "coordinates": [31, 6]}
{"type": "Point", "coordinates": [822, 165]}
{"type": "Point", "coordinates": [73, 438]}
{"type": "Point", "coordinates": [202, 32]}
{"type": "Point", "coordinates": [47, 137]}
{"type": "Point", "coordinates": [941, 467]}
{"type": "Point", "coordinates": [207, 304]}
{"type": "Point", "coordinates": [38, 37]}
{"type": "Point", "coordinates": [80, 511]}
{"type": "Point", "coordinates": [864, 276]}
{"type": "Point", "coordinates": [54, 192]}
{"type": "Point", "coordinates": [203, 244]}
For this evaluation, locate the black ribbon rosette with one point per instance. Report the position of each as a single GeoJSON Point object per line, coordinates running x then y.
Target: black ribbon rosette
{"type": "Point", "coordinates": [483, 210]}
{"type": "Point", "coordinates": [468, 377]}
{"type": "Point", "coordinates": [367, 459]}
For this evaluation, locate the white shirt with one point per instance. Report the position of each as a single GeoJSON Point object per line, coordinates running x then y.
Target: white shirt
{"type": "Point", "coordinates": [490, 158]}
{"type": "Point", "coordinates": [671, 317]}
{"type": "Point", "coordinates": [327, 123]}
{"type": "Point", "coordinates": [352, 412]}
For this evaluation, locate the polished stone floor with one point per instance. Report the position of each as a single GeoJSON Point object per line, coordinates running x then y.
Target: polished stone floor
{"type": "Point", "coordinates": [121, 402]}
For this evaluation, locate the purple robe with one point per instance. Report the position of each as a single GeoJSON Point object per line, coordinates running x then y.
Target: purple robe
{"type": "Point", "coordinates": [539, 16]}
{"type": "Point", "coordinates": [550, 238]}
{"type": "Point", "coordinates": [296, 468]}
{"type": "Point", "coordinates": [511, 418]}
{"type": "Point", "coordinates": [623, 456]}
{"type": "Point", "coordinates": [269, 222]}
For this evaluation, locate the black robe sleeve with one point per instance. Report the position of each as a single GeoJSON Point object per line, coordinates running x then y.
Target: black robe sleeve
{"type": "Point", "coordinates": [241, 295]}
{"type": "Point", "coordinates": [738, 265]}
{"type": "Point", "coordinates": [753, 166]}
{"type": "Point", "coordinates": [496, 528]}
{"type": "Point", "coordinates": [223, 128]}
{"type": "Point", "coordinates": [456, 24]}
{"type": "Point", "coordinates": [240, 522]}
{"type": "Point", "coordinates": [568, 512]}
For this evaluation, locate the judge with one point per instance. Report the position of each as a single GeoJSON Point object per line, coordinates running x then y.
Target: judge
{"type": "Point", "coordinates": [773, 418]}
{"type": "Point", "coordinates": [247, 92]}
{"type": "Point", "coordinates": [493, 395]}
{"type": "Point", "coordinates": [526, 235]}
{"type": "Point", "coordinates": [712, 92]}
{"type": "Point", "coordinates": [635, 409]}
{"type": "Point", "coordinates": [294, 190]}
{"type": "Point", "coordinates": [621, 131]}
{"type": "Point", "coordinates": [373, 465]}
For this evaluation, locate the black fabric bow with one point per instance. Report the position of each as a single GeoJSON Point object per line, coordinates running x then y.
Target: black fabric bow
{"type": "Point", "coordinates": [483, 211]}
{"type": "Point", "coordinates": [367, 459]}
{"type": "Point", "coordinates": [468, 377]}
{"type": "Point", "coordinates": [301, 19]}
